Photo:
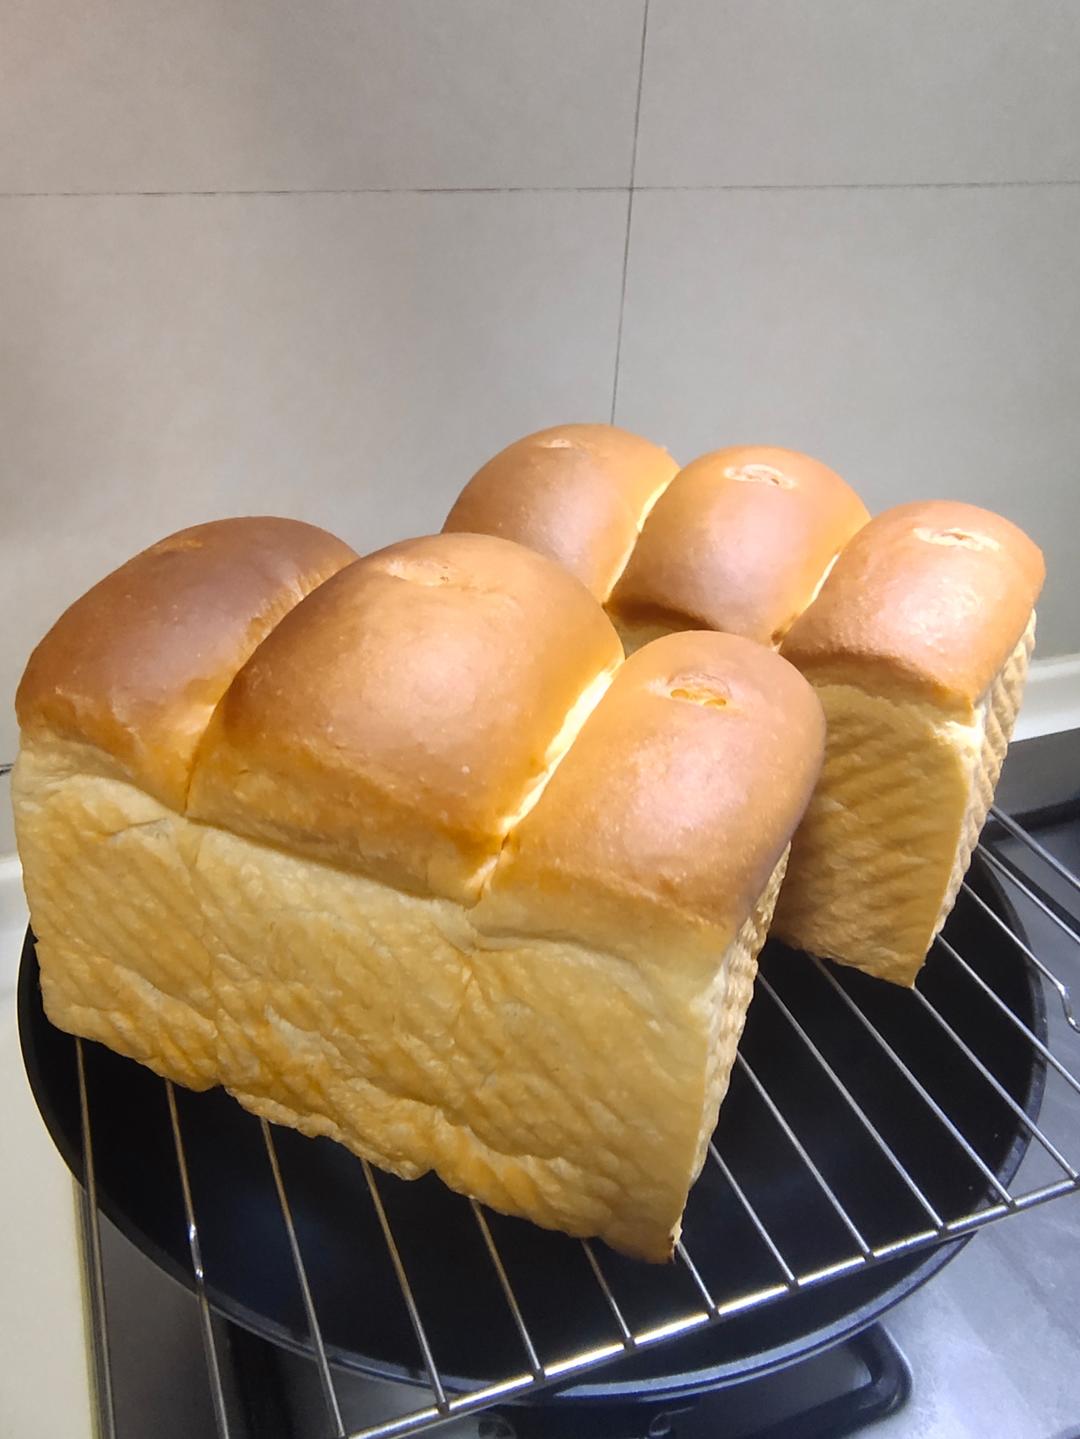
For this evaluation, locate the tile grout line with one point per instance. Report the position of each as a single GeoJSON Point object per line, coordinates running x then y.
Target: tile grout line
{"type": "Point", "coordinates": [539, 190]}
{"type": "Point", "coordinates": [873, 185]}
{"type": "Point", "coordinates": [629, 210]}
{"type": "Point", "coordinates": [316, 190]}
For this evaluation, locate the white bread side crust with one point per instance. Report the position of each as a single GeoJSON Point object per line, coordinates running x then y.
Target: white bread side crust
{"type": "Point", "coordinates": [548, 1079]}
{"type": "Point", "coordinates": [902, 798]}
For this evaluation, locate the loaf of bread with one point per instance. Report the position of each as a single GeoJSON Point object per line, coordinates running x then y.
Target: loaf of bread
{"type": "Point", "coordinates": [918, 647]}
{"type": "Point", "coordinates": [399, 851]}
{"type": "Point", "coordinates": [576, 493]}
{"type": "Point", "coordinates": [916, 629]}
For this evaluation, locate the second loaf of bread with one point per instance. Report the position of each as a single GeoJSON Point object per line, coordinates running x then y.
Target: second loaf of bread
{"type": "Point", "coordinates": [916, 629]}
{"type": "Point", "coordinates": [400, 852]}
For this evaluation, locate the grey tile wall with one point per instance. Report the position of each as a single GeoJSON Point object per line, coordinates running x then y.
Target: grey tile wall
{"type": "Point", "coordinates": [926, 342]}
{"type": "Point", "coordinates": [842, 92]}
{"type": "Point", "coordinates": [347, 359]}
{"type": "Point", "coordinates": [352, 356]}
{"type": "Point", "coordinates": [136, 95]}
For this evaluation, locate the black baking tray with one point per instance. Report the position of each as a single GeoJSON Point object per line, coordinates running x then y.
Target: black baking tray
{"type": "Point", "coordinates": [248, 1265]}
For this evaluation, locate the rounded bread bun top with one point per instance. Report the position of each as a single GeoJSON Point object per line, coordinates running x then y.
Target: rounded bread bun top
{"type": "Point", "coordinates": [136, 666]}
{"type": "Point", "coordinates": [739, 542]}
{"type": "Point", "coordinates": [398, 720]}
{"type": "Point", "coordinates": [576, 493]}
{"type": "Point", "coordinates": [928, 601]}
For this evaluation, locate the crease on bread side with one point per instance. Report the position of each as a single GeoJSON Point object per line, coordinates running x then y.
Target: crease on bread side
{"type": "Point", "coordinates": [556, 752]}
{"type": "Point", "coordinates": [640, 519]}
{"type": "Point", "coordinates": [551, 1077]}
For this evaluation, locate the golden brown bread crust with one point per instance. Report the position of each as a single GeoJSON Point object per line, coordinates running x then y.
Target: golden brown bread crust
{"type": "Point", "coordinates": [662, 826]}
{"type": "Point", "coordinates": [395, 722]}
{"type": "Point", "coordinates": [738, 542]}
{"type": "Point", "coordinates": [137, 665]}
{"type": "Point", "coordinates": [576, 493]}
{"type": "Point", "coordinates": [928, 601]}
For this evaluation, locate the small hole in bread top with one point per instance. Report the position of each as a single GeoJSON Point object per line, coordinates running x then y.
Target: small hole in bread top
{"type": "Point", "coordinates": [420, 570]}
{"type": "Point", "coordinates": [556, 442]}
{"type": "Point", "coordinates": [698, 697]}
{"type": "Point", "coordinates": [700, 690]}
{"type": "Point", "coordinates": [759, 475]}
{"type": "Point", "coordinates": [964, 538]}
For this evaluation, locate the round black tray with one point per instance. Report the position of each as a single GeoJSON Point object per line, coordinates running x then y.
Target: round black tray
{"type": "Point", "coordinates": [249, 1269]}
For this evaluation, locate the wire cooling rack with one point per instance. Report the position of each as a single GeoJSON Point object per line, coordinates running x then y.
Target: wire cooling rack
{"type": "Point", "coordinates": [697, 1291]}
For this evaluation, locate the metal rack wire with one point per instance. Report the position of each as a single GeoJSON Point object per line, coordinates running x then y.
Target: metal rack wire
{"type": "Point", "coordinates": [710, 1306]}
